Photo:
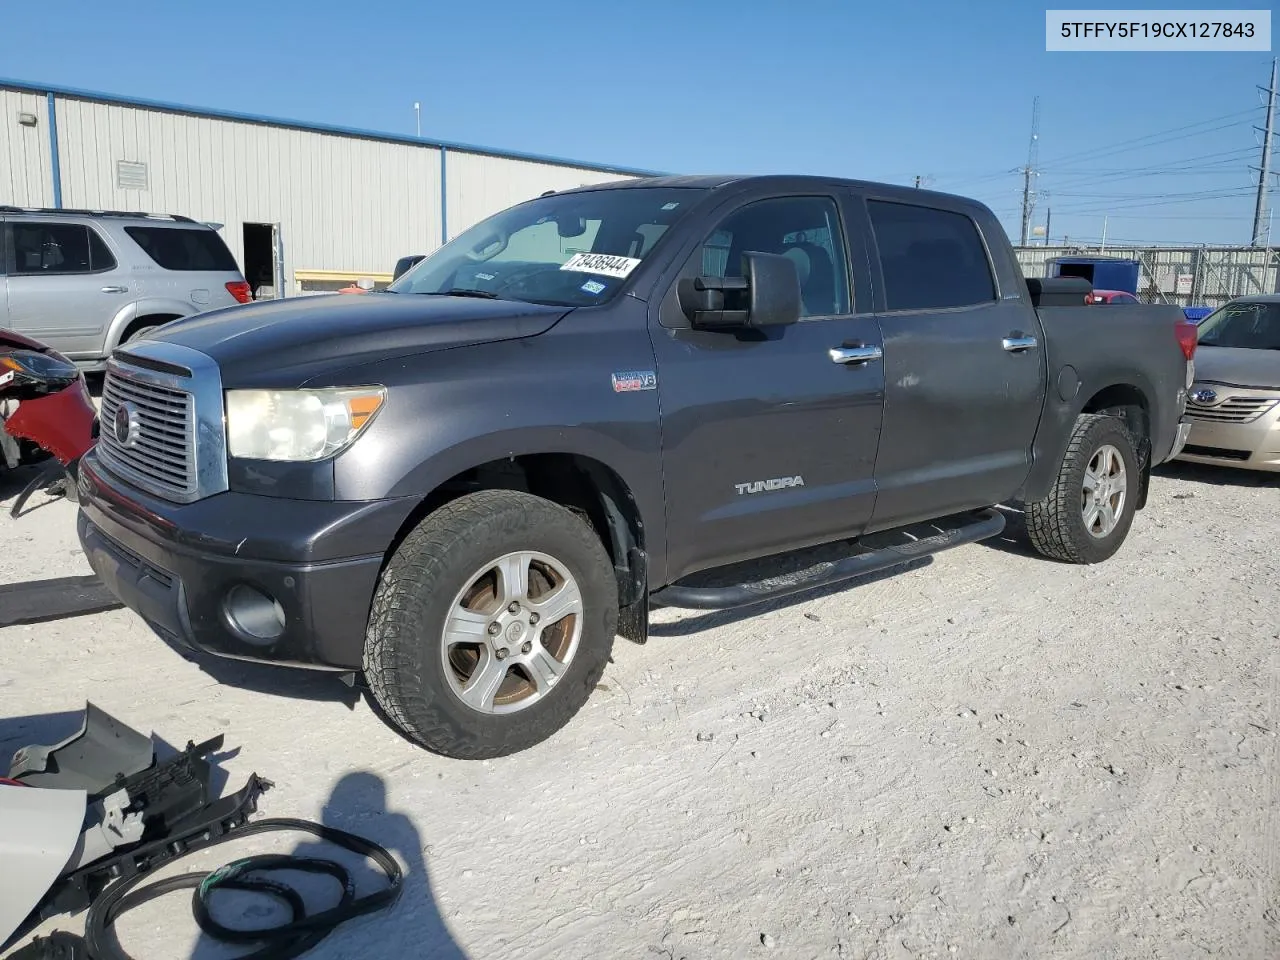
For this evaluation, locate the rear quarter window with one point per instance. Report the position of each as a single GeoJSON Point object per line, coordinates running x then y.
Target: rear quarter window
{"type": "Point", "coordinates": [180, 248]}
{"type": "Point", "coordinates": [931, 259]}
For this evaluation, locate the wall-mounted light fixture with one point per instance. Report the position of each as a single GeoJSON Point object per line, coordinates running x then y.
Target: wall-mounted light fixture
{"type": "Point", "coordinates": [27, 119]}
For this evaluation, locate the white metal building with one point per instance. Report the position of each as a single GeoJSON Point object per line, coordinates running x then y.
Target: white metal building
{"type": "Point", "coordinates": [340, 203]}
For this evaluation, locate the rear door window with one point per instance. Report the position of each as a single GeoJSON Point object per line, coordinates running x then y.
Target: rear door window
{"type": "Point", "coordinates": [42, 248]}
{"type": "Point", "coordinates": [931, 259]}
{"type": "Point", "coordinates": [182, 248]}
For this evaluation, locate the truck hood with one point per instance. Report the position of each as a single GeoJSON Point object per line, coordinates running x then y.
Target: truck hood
{"type": "Point", "coordinates": [1238, 367]}
{"type": "Point", "coordinates": [286, 342]}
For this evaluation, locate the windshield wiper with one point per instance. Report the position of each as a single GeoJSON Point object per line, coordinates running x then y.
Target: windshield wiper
{"type": "Point", "coordinates": [464, 292]}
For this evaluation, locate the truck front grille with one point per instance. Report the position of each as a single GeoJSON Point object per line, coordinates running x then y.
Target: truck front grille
{"type": "Point", "coordinates": [1231, 410]}
{"type": "Point", "coordinates": [147, 435]}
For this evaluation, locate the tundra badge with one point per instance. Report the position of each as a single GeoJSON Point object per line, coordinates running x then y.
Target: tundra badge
{"type": "Point", "coordinates": [778, 483]}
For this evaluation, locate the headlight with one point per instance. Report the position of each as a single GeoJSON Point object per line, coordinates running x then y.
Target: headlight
{"type": "Point", "coordinates": [298, 424]}
{"type": "Point", "coordinates": [38, 366]}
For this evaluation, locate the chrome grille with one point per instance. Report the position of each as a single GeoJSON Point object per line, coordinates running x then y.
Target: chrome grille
{"type": "Point", "coordinates": [1231, 410]}
{"type": "Point", "coordinates": [159, 455]}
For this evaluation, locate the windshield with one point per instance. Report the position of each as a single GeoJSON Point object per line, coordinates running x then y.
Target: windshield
{"type": "Point", "coordinates": [1251, 325]}
{"type": "Point", "coordinates": [571, 249]}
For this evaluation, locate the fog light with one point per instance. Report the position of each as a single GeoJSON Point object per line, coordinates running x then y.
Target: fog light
{"type": "Point", "coordinates": [256, 616]}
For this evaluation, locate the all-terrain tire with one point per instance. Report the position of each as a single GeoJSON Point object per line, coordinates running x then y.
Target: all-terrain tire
{"type": "Point", "coordinates": [402, 660]}
{"type": "Point", "coordinates": [1056, 525]}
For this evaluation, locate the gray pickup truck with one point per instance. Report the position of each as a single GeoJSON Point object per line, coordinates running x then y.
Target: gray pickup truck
{"type": "Point", "coordinates": [459, 490]}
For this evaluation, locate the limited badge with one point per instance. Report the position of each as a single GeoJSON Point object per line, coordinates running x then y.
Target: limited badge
{"type": "Point", "coordinates": [632, 380]}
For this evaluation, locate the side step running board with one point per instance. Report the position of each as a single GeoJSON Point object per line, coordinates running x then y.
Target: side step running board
{"type": "Point", "coordinates": [949, 532]}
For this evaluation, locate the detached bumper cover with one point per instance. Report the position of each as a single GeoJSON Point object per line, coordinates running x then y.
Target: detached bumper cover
{"type": "Point", "coordinates": [174, 565]}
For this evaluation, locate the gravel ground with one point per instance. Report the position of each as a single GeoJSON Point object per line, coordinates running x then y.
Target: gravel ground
{"type": "Point", "coordinates": [990, 755]}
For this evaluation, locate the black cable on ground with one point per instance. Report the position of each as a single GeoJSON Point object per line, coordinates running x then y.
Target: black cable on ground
{"type": "Point", "coordinates": [292, 939]}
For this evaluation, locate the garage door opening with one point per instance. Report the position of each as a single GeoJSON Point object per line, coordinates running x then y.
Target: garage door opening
{"type": "Point", "coordinates": [260, 259]}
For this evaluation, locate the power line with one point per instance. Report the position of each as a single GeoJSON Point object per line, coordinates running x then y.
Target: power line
{"type": "Point", "coordinates": [1139, 142]}
{"type": "Point", "coordinates": [1092, 207]}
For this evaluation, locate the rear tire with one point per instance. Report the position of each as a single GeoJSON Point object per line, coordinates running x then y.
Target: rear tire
{"type": "Point", "coordinates": [449, 622]}
{"type": "Point", "coordinates": [1088, 512]}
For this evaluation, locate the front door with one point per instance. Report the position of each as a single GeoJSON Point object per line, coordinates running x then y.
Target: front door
{"type": "Point", "coordinates": [769, 441]}
{"type": "Point", "coordinates": [963, 367]}
{"type": "Point", "coordinates": [64, 285]}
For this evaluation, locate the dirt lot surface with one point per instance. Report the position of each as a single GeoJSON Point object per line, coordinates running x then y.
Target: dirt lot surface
{"type": "Point", "coordinates": [991, 755]}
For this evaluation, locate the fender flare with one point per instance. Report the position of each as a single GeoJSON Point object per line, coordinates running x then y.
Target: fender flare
{"type": "Point", "coordinates": [140, 308]}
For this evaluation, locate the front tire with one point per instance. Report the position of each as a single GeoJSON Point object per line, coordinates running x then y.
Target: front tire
{"type": "Point", "coordinates": [491, 625]}
{"type": "Point", "coordinates": [1088, 512]}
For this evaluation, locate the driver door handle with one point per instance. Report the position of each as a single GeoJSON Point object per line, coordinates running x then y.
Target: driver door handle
{"type": "Point", "coordinates": [855, 354]}
{"type": "Point", "coordinates": [115, 289]}
{"type": "Point", "coordinates": [1017, 343]}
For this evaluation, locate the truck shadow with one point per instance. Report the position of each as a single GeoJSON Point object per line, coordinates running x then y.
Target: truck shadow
{"type": "Point", "coordinates": [1013, 538]}
{"type": "Point", "coordinates": [1218, 476]}
{"type": "Point", "coordinates": [265, 678]}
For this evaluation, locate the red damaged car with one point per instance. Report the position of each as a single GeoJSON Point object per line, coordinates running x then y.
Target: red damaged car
{"type": "Point", "coordinates": [44, 406]}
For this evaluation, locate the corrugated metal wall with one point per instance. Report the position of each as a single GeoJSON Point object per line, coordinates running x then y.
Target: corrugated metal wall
{"type": "Point", "coordinates": [480, 185]}
{"type": "Point", "coordinates": [345, 203]}
{"type": "Point", "coordinates": [26, 167]}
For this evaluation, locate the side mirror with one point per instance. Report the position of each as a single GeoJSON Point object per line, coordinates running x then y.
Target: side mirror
{"type": "Point", "coordinates": [405, 264]}
{"type": "Point", "coordinates": [766, 295]}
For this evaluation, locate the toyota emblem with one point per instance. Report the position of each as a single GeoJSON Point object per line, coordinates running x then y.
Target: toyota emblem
{"type": "Point", "coordinates": [1204, 397]}
{"type": "Point", "coordinates": [126, 425]}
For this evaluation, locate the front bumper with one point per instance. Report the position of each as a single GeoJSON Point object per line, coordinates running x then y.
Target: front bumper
{"type": "Point", "coordinates": [1180, 439]}
{"type": "Point", "coordinates": [1252, 445]}
{"type": "Point", "coordinates": [177, 566]}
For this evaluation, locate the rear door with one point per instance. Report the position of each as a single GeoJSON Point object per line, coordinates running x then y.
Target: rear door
{"type": "Point", "coordinates": [769, 442]}
{"type": "Point", "coordinates": [191, 265]}
{"type": "Point", "coordinates": [64, 284]}
{"type": "Point", "coordinates": [963, 364]}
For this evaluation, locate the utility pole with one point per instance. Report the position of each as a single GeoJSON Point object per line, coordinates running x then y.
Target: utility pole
{"type": "Point", "coordinates": [1029, 171]}
{"type": "Point", "coordinates": [1261, 220]}
{"type": "Point", "coordinates": [1103, 248]}
{"type": "Point", "coordinates": [1048, 222]}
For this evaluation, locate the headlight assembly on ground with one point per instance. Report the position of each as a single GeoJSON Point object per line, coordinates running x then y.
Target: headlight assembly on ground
{"type": "Point", "coordinates": [298, 425]}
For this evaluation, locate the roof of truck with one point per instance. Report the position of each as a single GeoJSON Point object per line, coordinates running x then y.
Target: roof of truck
{"type": "Point", "coordinates": [715, 181]}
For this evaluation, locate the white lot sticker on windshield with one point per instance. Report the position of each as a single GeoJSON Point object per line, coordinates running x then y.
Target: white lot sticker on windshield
{"type": "Point", "coordinates": [671, 206]}
{"type": "Point", "coordinates": [603, 264]}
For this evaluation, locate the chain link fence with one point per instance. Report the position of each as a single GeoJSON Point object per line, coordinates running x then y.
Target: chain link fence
{"type": "Point", "coordinates": [1183, 276]}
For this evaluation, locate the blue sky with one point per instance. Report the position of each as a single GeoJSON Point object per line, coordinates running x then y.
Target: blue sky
{"type": "Point", "coordinates": [877, 91]}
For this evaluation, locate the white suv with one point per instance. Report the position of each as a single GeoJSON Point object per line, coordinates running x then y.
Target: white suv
{"type": "Point", "coordinates": [85, 281]}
